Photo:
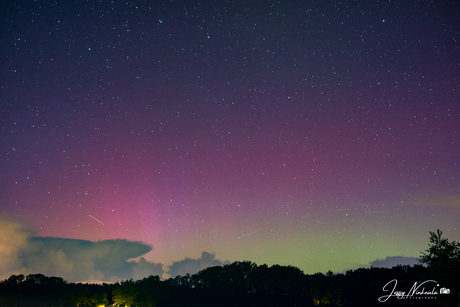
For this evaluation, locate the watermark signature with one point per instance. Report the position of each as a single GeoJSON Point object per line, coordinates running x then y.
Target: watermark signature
{"type": "Point", "coordinates": [428, 289]}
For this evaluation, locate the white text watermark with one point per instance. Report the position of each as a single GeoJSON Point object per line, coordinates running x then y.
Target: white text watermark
{"type": "Point", "coordinates": [428, 289]}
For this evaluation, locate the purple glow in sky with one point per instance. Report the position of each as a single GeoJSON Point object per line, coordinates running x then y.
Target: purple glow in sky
{"type": "Point", "coordinates": [319, 135]}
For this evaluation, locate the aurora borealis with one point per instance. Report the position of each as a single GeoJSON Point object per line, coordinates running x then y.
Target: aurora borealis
{"type": "Point", "coordinates": [318, 134]}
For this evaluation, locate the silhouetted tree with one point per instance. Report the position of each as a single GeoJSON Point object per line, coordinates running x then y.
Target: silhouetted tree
{"type": "Point", "coordinates": [15, 279]}
{"type": "Point", "coordinates": [125, 293]}
{"type": "Point", "coordinates": [80, 295]}
{"type": "Point", "coordinates": [236, 280]}
{"type": "Point", "coordinates": [279, 286]}
{"type": "Point", "coordinates": [181, 291]}
{"type": "Point", "coordinates": [325, 289]}
{"type": "Point", "coordinates": [99, 299]}
{"type": "Point", "coordinates": [441, 254]}
{"type": "Point", "coordinates": [246, 284]}
{"type": "Point", "coordinates": [152, 292]}
{"type": "Point", "coordinates": [443, 260]}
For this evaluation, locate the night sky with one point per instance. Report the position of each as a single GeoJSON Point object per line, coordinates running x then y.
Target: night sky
{"type": "Point", "coordinates": [319, 134]}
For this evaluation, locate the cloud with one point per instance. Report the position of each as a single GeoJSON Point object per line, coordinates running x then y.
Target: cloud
{"type": "Point", "coordinates": [75, 260]}
{"type": "Point", "coordinates": [144, 268]}
{"type": "Point", "coordinates": [193, 266]}
{"type": "Point", "coordinates": [22, 252]}
{"type": "Point", "coordinates": [390, 262]}
{"type": "Point", "coordinates": [13, 237]}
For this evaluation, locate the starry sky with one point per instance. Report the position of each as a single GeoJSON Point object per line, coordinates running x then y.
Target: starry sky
{"type": "Point", "coordinates": [319, 134]}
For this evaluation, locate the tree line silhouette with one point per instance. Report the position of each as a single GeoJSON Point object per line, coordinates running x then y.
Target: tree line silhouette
{"type": "Point", "coordinates": [248, 284]}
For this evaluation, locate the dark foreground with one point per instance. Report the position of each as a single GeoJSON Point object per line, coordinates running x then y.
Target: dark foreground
{"type": "Point", "coordinates": [244, 284]}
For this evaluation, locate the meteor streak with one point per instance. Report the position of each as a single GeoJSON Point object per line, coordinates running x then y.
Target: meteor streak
{"type": "Point", "coordinates": [254, 232]}
{"type": "Point", "coordinates": [95, 219]}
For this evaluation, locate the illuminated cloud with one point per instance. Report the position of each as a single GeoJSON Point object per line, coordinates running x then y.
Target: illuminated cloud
{"type": "Point", "coordinates": [13, 237]}
{"type": "Point", "coordinates": [74, 260]}
{"type": "Point", "coordinates": [144, 268]}
{"type": "Point", "coordinates": [390, 262]}
{"type": "Point", "coordinates": [193, 266]}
